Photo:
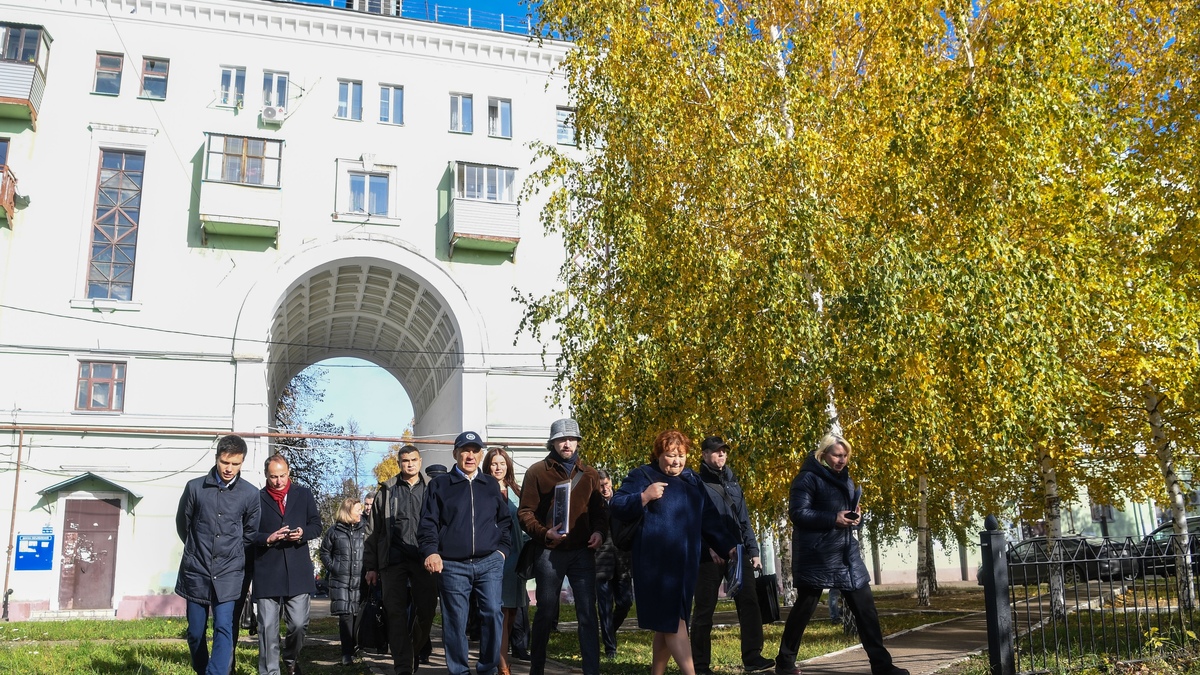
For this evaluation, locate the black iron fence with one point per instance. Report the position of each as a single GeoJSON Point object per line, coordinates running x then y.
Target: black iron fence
{"type": "Point", "coordinates": [1082, 602]}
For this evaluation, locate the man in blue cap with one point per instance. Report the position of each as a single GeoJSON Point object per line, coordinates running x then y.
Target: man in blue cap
{"type": "Point", "coordinates": [463, 536]}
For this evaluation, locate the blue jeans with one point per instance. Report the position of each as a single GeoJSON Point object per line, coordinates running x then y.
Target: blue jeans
{"type": "Point", "coordinates": [483, 577]}
{"type": "Point", "coordinates": [579, 567]}
{"type": "Point", "coordinates": [221, 660]}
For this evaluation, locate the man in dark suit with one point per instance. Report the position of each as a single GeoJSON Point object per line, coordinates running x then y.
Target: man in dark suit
{"type": "Point", "coordinates": [283, 569]}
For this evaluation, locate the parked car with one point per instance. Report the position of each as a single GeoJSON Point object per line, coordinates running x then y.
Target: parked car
{"type": "Point", "coordinates": [1083, 558]}
{"type": "Point", "coordinates": [1158, 551]}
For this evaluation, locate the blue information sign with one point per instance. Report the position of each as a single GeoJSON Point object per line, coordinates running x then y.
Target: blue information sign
{"type": "Point", "coordinates": [34, 552]}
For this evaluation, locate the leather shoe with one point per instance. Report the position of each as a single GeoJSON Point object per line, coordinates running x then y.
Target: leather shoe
{"type": "Point", "coordinates": [759, 665]}
{"type": "Point", "coordinates": [520, 654]}
{"type": "Point", "coordinates": [787, 670]}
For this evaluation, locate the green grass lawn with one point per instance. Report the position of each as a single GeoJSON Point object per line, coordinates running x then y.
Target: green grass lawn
{"type": "Point", "coordinates": [156, 646]}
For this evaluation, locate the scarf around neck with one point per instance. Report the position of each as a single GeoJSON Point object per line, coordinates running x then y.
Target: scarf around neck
{"type": "Point", "coordinates": [280, 496]}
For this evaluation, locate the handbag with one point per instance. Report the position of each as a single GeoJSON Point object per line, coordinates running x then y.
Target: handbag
{"type": "Point", "coordinates": [529, 555]}
{"type": "Point", "coordinates": [371, 625]}
{"type": "Point", "coordinates": [625, 532]}
{"type": "Point", "coordinates": [768, 597]}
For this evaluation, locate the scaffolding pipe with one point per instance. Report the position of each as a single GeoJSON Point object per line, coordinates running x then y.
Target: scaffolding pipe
{"type": "Point", "coordinates": [146, 431]}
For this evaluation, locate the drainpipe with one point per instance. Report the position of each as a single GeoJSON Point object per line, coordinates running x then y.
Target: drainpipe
{"type": "Point", "coordinates": [12, 524]}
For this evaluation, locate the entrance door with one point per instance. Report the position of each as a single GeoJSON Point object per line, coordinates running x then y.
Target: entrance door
{"type": "Point", "coordinates": [89, 549]}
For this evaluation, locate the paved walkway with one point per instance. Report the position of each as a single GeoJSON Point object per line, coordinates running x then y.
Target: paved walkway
{"type": "Point", "coordinates": [922, 651]}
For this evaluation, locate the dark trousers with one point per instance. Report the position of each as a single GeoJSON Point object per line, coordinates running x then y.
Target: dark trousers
{"type": "Point", "coordinates": [579, 567]}
{"type": "Point", "coordinates": [708, 586]}
{"type": "Point", "coordinates": [860, 603]}
{"type": "Point", "coordinates": [614, 597]}
{"type": "Point", "coordinates": [346, 633]}
{"type": "Point", "coordinates": [518, 637]}
{"type": "Point", "coordinates": [400, 581]}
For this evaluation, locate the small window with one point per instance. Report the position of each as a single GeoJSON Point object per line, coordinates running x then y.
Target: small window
{"type": "Point", "coordinates": [461, 115]}
{"type": "Point", "coordinates": [20, 42]}
{"type": "Point", "coordinates": [486, 182]}
{"type": "Point", "coordinates": [500, 117]}
{"type": "Point", "coordinates": [3, 151]}
{"type": "Point", "coordinates": [369, 193]}
{"type": "Point", "coordinates": [349, 100]}
{"type": "Point", "coordinates": [564, 125]}
{"type": "Point", "coordinates": [275, 89]}
{"type": "Point", "coordinates": [391, 104]}
{"type": "Point", "coordinates": [101, 386]}
{"type": "Point", "coordinates": [154, 78]}
{"type": "Point", "coordinates": [233, 86]}
{"type": "Point", "coordinates": [108, 74]}
{"type": "Point", "coordinates": [240, 159]}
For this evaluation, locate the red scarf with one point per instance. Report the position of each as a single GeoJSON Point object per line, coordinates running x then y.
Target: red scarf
{"type": "Point", "coordinates": [280, 496]}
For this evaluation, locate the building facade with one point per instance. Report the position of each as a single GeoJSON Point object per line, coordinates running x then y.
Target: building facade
{"type": "Point", "coordinates": [203, 197]}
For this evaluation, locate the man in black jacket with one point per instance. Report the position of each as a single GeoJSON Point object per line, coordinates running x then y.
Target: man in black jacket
{"type": "Point", "coordinates": [464, 536]}
{"type": "Point", "coordinates": [392, 559]}
{"type": "Point", "coordinates": [217, 517]}
{"type": "Point", "coordinates": [283, 569]}
{"type": "Point", "coordinates": [727, 496]}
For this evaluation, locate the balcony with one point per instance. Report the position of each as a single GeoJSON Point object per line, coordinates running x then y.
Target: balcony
{"type": "Point", "coordinates": [237, 210]}
{"type": "Point", "coordinates": [8, 193]}
{"type": "Point", "coordinates": [483, 225]}
{"type": "Point", "coordinates": [23, 59]}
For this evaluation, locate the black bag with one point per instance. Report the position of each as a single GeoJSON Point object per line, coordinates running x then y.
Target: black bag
{"type": "Point", "coordinates": [768, 597]}
{"type": "Point", "coordinates": [249, 618]}
{"type": "Point", "coordinates": [624, 532]}
{"type": "Point", "coordinates": [371, 625]}
{"type": "Point", "coordinates": [525, 561]}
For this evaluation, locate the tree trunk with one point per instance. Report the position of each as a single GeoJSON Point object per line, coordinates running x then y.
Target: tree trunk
{"type": "Point", "coordinates": [931, 565]}
{"type": "Point", "coordinates": [1166, 464]}
{"type": "Point", "coordinates": [923, 562]}
{"type": "Point", "coordinates": [1058, 604]}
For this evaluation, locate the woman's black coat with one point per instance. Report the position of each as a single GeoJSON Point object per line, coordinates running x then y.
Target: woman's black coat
{"type": "Point", "coordinates": [823, 554]}
{"type": "Point", "coordinates": [342, 556]}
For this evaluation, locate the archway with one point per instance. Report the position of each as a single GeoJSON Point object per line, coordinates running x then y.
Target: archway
{"type": "Point", "coordinates": [372, 298]}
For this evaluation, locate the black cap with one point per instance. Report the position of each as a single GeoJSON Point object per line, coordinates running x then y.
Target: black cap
{"type": "Point", "coordinates": [435, 470]}
{"type": "Point", "coordinates": [713, 443]}
{"type": "Point", "coordinates": [469, 438]}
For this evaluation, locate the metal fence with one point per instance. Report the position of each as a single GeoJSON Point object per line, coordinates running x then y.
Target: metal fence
{"type": "Point", "coordinates": [1080, 602]}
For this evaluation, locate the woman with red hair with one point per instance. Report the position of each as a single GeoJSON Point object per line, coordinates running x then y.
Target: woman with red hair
{"type": "Point", "coordinates": [679, 522]}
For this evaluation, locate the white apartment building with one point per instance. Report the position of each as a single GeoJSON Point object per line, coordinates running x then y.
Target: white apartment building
{"type": "Point", "coordinates": [203, 197]}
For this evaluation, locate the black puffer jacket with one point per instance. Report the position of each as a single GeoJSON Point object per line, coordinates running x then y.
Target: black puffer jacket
{"type": "Point", "coordinates": [215, 525]}
{"type": "Point", "coordinates": [823, 554]}
{"type": "Point", "coordinates": [342, 556]}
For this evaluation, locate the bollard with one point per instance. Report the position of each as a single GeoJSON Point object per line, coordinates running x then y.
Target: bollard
{"type": "Point", "coordinates": [994, 575]}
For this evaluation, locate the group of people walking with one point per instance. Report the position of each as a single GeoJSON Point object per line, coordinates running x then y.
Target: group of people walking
{"type": "Point", "coordinates": [459, 536]}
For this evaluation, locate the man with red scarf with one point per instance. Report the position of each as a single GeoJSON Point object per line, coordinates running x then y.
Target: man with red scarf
{"type": "Point", "coordinates": [283, 568]}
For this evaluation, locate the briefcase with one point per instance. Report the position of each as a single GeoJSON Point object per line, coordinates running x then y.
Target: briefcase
{"type": "Point", "coordinates": [767, 586]}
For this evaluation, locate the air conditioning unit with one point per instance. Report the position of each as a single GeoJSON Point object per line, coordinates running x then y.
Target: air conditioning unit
{"type": "Point", "coordinates": [273, 114]}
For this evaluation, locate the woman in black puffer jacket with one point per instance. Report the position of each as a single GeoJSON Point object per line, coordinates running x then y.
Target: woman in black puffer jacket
{"type": "Point", "coordinates": [342, 556]}
{"type": "Point", "coordinates": [824, 510]}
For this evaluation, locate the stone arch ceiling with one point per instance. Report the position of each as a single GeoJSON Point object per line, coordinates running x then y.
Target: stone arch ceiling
{"type": "Point", "coordinates": [375, 313]}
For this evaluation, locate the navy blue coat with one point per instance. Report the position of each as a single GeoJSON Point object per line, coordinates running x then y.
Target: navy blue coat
{"type": "Point", "coordinates": [215, 525]}
{"type": "Point", "coordinates": [823, 554]}
{"type": "Point", "coordinates": [285, 569]}
{"type": "Point", "coordinates": [463, 519]}
{"type": "Point", "coordinates": [667, 550]}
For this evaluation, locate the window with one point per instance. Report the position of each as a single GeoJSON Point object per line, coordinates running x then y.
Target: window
{"type": "Point", "coordinates": [154, 78]}
{"type": "Point", "coordinates": [101, 386]}
{"type": "Point", "coordinates": [461, 117]}
{"type": "Point", "coordinates": [500, 117]}
{"type": "Point", "coordinates": [349, 100]}
{"type": "Point", "coordinates": [20, 42]}
{"type": "Point", "coordinates": [369, 193]}
{"type": "Point", "coordinates": [275, 89]}
{"type": "Point", "coordinates": [233, 86]}
{"type": "Point", "coordinates": [3, 151]}
{"type": "Point", "coordinates": [108, 73]}
{"type": "Point", "coordinates": [391, 104]}
{"type": "Point", "coordinates": [489, 183]}
{"type": "Point", "coordinates": [564, 125]}
{"type": "Point", "coordinates": [239, 159]}
{"type": "Point", "coordinates": [115, 225]}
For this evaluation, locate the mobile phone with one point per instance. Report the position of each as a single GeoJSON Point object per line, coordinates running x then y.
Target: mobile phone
{"type": "Point", "coordinates": [851, 516]}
